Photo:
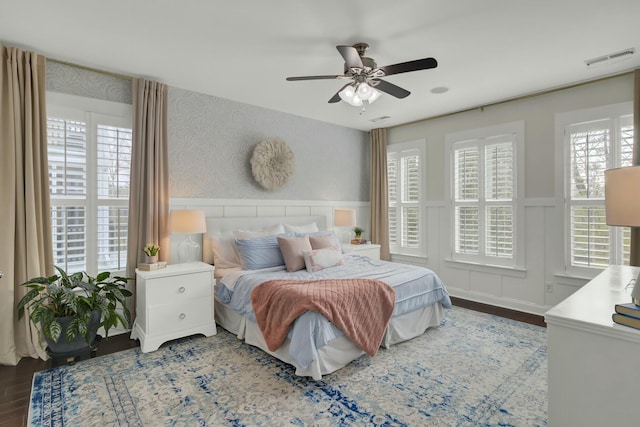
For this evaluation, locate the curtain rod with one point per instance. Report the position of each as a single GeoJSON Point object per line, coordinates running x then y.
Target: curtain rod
{"type": "Point", "coordinates": [519, 98]}
{"type": "Point", "coordinates": [95, 70]}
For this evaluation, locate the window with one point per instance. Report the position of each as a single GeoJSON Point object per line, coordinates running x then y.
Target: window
{"type": "Point", "coordinates": [89, 152]}
{"type": "Point", "coordinates": [484, 181]}
{"type": "Point", "coordinates": [405, 186]}
{"type": "Point", "coordinates": [594, 140]}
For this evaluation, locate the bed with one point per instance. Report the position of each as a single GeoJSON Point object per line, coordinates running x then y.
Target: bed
{"type": "Point", "coordinates": [313, 345]}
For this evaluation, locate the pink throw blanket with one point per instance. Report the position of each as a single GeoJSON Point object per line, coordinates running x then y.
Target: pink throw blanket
{"type": "Point", "coordinates": [360, 308]}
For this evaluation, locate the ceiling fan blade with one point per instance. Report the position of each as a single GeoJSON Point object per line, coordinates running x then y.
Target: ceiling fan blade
{"type": "Point", "coordinates": [336, 98]}
{"type": "Point", "coordinates": [293, 79]}
{"type": "Point", "coordinates": [351, 57]}
{"type": "Point", "coordinates": [405, 67]}
{"type": "Point", "coordinates": [390, 88]}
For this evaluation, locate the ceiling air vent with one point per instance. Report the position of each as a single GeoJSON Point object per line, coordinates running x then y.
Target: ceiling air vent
{"type": "Point", "coordinates": [379, 119]}
{"type": "Point", "coordinates": [623, 54]}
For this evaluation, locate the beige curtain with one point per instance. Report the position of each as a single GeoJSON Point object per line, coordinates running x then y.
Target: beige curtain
{"type": "Point", "coordinates": [25, 224]}
{"type": "Point", "coordinates": [634, 257]}
{"type": "Point", "coordinates": [379, 195]}
{"type": "Point", "coordinates": [149, 195]}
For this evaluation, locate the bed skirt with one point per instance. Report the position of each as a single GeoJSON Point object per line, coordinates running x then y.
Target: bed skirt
{"type": "Point", "coordinates": [340, 351]}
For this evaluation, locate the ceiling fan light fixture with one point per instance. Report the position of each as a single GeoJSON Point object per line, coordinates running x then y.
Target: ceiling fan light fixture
{"type": "Point", "coordinates": [364, 91]}
{"type": "Point", "coordinates": [348, 95]}
{"type": "Point", "coordinates": [357, 93]}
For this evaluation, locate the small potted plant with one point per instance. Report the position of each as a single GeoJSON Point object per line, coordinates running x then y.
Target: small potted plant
{"type": "Point", "coordinates": [358, 234]}
{"type": "Point", "coordinates": [151, 251]}
{"type": "Point", "coordinates": [70, 308]}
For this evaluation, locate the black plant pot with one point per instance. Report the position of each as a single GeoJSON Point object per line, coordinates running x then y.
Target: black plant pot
{"type": "Point", "coordinates": [79, 344]}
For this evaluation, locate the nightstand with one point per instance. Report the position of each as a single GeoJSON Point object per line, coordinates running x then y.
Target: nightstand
{"type": "Point", "coordinates": [173, 302]}
{"type": "Point", "coordinates": [372, 250]}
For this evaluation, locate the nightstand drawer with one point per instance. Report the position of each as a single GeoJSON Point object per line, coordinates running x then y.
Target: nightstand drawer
{"type": "Point", "coordinates": [179, 316]}
{"type": "Point", "coordinates": [165, 290]}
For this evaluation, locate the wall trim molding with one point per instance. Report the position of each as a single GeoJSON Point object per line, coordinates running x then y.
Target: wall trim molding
{"type": "Point", "coordinates": [199, 201]}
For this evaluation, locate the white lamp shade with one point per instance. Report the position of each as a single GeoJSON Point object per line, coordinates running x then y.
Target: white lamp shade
{"type": "Point", "coordinates": [344, 217]}
{"type": "Point", "coordinates": [622, 196]}
{"type": "Point", "coordinates": [187, 221]}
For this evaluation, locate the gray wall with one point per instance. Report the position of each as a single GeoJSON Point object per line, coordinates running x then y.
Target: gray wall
{"type": "Point", "coordinates": [211, 139]}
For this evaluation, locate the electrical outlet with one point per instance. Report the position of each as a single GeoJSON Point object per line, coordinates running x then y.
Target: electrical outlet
{"type": "Point", "coordinates": [549, 287]}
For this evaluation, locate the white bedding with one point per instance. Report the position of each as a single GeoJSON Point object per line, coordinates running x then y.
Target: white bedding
{"type": "Point", "coordinates": [314, 346]}
{"type": "Point", "coordinates": [415, 287]}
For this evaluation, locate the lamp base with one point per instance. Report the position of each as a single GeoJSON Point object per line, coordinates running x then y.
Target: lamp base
{"type": "Point", "coordinates": [188, 250]}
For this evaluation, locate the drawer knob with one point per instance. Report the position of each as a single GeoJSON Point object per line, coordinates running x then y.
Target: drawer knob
{"type": "Point", "coordinates": [182, 289]}
{"type": "Point", "coordinates": [182, 316]}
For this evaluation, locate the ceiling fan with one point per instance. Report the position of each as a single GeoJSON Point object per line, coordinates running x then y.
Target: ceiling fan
{"type": "Point", "coordinates": [366, 82]}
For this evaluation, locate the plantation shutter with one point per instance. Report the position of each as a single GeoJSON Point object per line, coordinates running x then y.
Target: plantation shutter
{"type": "Point", "coordinates": [594, 147]}
{"type": "Point", "coordinates": [67, 153]}
{"type": "Point", "coordinates": [466, 195]}
{"type": "Point", "coordinates": [89, 168]}
{"type": "Point", "coordinates": [484, 198]}
{"type": "Point", "coordinates": [499, 182]}
{"type": "Point", "coordinates": [392, 184]}
{"type": "Point", "coordinates": [114, 167]}
{"type": "Point", "coordinates": [405, 187]}
{"type": "Point", "coordinates": [410, 199]}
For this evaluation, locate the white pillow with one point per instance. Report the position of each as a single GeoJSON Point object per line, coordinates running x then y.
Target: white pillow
{"type": "Point", "coordinates": [317, 259]}
{"type": "Point", "coordinates": [306, 228]}
{"type": "Point", "coordinates": [252, 234]}
{"type": "Point", "coordinates": [224, 251]}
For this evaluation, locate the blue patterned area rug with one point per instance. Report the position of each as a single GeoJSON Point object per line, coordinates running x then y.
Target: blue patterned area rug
{"type": "Point", "coordinates": [474, 370]}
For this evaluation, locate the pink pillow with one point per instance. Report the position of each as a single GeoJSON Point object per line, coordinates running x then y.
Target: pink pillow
{"type": "Point", "coordinates": [292, 249]}
{"type": "Point", "coordinates": [321, 242]}
{"type": "Point", "coordinates": [317, 259]}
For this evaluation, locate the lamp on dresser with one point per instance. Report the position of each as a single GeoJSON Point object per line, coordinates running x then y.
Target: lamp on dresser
{"type": "Point", "coordinates": [344, 218]}
{"type": "Point", "coordinates": [187, 222]}
{"type": "Point", "coordinates": [622, 204]}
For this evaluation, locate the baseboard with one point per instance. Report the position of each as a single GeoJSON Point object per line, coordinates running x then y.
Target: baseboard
{"type": "Point", "coordinates": [521, 316]}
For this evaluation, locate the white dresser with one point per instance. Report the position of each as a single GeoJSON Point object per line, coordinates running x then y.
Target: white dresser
{"type": "Point", "coordinates": [594, 363]}
{"type": "Point", "coordinates": [173, 302]}
{"type": "Point", "coordinates": [371, 250]}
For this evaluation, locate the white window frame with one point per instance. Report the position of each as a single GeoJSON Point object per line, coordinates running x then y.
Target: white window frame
{"type": "Point", "coordinates": [92, 112]}
{"type": "Point", "coordinates": [482, 137]}
{"type": "Point", "coordinates": [612, 112]}
{"type": "Point", "coordinates": [398, 204]}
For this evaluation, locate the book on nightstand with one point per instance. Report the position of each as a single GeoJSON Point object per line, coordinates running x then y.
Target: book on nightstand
{"type": "Point", "coordinates": [621, 319]}
{"type": "Point", "coordinates": [153, 266]}
{"type": "Point", "coordinates": [629, 309]}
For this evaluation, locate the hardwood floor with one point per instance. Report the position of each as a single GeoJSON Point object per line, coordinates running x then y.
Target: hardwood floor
{"type": "Point", "coordinates": [15, 381]}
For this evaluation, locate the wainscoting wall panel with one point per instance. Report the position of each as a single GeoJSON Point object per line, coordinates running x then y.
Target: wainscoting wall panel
{"type": "Point", "coordinates": [534, 288]}
{"type": "Point", "coordinates": [219, 208]}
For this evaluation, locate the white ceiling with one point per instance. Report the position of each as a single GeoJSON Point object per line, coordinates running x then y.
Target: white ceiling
{"type": "Point", "coordinates": [488, 50]}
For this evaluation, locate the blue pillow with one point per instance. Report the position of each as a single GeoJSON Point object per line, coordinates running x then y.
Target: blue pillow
{"type": "Point", "coordinates": [260, 252]}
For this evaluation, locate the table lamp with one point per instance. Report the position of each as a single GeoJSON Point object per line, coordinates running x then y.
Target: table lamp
{"type": "Point", "coordinates": [344, 218]}
{"type": "Point", "coordinates": [622, 204]}
{"type": "Point", "coordinates": [188, 222]}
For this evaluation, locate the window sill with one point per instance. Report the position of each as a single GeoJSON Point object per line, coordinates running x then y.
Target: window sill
{"type": "Point", "coordinates": [486, 268]}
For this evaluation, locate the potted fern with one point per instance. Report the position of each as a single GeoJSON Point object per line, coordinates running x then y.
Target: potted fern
{"type": "Point", "coordinates": [70, 308]}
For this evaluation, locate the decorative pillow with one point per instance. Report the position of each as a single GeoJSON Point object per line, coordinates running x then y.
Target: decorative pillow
{"type": "Point", "coordinates": [319, 238]}
{"type": "Point", "coordinates": [252, 234]}
{"type": "Point", "coordinates": [261, 252]}
{"type": "Point", "coordinates": [321, 242]}
{"type": "Point", "coordinates": [224, 251]}
{"type": "Point", "coordinates": [317, 259]}
{"type": "Point", "coordinates": [307, 228]}
{"type": "Point", "coordinates": [292, 249]}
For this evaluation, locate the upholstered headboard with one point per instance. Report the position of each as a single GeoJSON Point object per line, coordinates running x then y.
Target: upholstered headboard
{"type": "Point", "coordinates": [218, 225]}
